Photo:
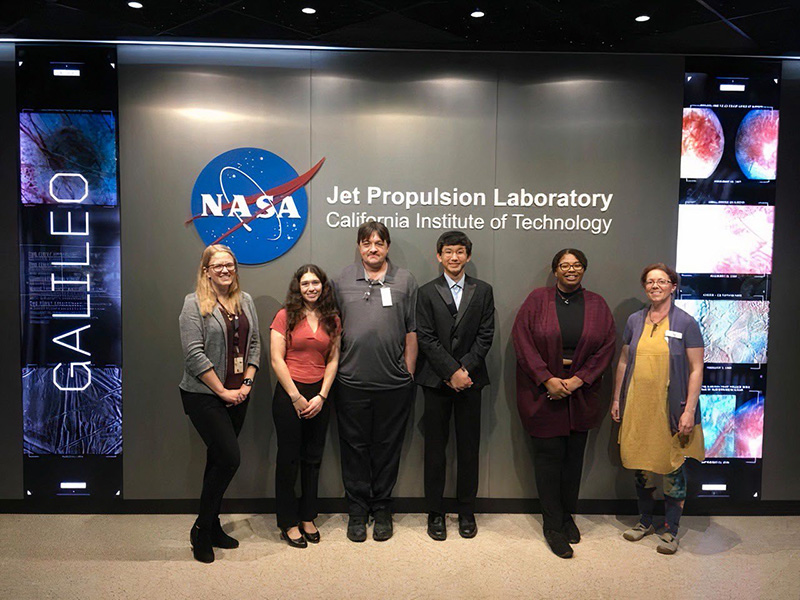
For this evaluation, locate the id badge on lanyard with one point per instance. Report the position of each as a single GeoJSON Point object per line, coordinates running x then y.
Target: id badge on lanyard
{"type": "Point", "coordinates": [238, 358]}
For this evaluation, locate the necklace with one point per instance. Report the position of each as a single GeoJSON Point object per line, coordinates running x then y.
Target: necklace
{"type": "Point", "coordinates": [654, 323]}
{"type": "Point", "coordinates": [565, 299]}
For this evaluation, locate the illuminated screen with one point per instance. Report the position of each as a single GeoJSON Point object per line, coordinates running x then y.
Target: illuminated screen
{"type": "Point", "coordinates": [733, 331]}
{"type": "Point", "coordinates": [71, 301]}
{"type": "Point", "coordinates": [726, 217]}
{"type": "Point", "coordinates": [729, 239]}
{"type": "Point", "coordinates": [732, 431]}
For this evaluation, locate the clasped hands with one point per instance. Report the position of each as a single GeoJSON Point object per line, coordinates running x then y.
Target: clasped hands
{"type": "Point", "coordinates": [234, 397]}
{"type": "Point", "coordinates": [460, 380]}
{"type": "Point", "coordinates": [558, 389]}
{"type": "Point", "coordinates": [307, 409]}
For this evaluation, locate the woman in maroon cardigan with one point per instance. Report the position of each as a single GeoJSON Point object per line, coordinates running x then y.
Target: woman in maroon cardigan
{"type": "Point", "coordinates": [564, 339]}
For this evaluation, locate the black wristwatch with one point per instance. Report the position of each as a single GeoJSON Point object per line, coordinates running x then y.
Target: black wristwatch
{"type": "Point", "coordinates": [247, 381]}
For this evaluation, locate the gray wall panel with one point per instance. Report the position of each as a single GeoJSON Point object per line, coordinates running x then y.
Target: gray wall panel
{"type": "Point", "coordinates": [10, 375]}
{"type": "Point", "coordinates": [402, 121]}
{"type": "Point", "coordinates": [594, 124]}
{"type": "Point", "coordinates": [262, 100]}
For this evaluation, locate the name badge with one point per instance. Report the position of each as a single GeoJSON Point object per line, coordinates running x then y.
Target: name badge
{"type": "Point", "coordinates": [673, 334]}
{"type": "Point", "coordinates": [386, 296]}
{"type": "Point", "coordinates": [238, 365]}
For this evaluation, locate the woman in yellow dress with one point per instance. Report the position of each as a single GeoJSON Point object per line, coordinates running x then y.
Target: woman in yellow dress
{"type": "Point", "coordinates": [656, 392]}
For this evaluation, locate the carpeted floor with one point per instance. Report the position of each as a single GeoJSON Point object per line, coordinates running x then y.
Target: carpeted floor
{"type": "Point", "coordinates": [148, 556]}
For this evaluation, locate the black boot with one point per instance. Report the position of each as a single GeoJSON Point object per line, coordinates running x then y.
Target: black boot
{"type": "Point", "coordinates": [202, 548]}
{"type": "Point", "coordinates": [220, 539]}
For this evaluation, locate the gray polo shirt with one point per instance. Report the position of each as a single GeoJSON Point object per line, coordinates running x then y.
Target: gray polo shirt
{"type": "Point", "coordinates": [373, 335]}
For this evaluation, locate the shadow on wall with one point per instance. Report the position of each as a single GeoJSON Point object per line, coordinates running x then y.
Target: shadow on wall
{"type": "Point", "coordinates": [623, 482]}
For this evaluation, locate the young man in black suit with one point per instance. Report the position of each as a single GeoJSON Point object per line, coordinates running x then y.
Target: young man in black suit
{"type": "Point", "coordinates": [455, 327]}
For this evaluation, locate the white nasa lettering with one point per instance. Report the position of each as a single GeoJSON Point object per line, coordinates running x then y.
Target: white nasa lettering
{"type": "Point", "coordinates": [241, 210]}
{"type": "Point", "coordinates": [239, 207]}
{"type": "Point", "coordinates": [288, 209]}
{"type": "Point", "coordinates": [265, 202]}
{"type": "Point", "coordinates": [209, 204]}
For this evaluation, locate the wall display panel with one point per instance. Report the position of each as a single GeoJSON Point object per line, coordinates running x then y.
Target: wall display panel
{"type": "Point", "coordinates": [729, 157]}
{"type": "Point", "coordinates": [69, 232]}
{"type": "Point", "coordinates": [730, 239]}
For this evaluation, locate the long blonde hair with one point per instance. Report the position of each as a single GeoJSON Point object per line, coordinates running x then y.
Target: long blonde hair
{"type": "Point", "coordinates": [206, 296]}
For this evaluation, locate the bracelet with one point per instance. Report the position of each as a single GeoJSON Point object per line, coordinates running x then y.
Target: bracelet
{"type": "Point", "coordinates": [247, 381]}
{"type": "Point", "coordinates": [323, 397]}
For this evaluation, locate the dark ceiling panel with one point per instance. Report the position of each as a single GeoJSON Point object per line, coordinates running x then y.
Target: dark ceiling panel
{"type": "Point", "coordinates": [677, 26]}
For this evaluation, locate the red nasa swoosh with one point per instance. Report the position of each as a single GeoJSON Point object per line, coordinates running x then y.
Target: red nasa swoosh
{"type": "Point", "coordinates": [278, 193]}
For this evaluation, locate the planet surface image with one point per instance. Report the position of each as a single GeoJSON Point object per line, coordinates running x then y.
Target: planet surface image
{"type": "Point", "coordinates": [757, 144]}
{"type": "Point", "coordinates": [702, 143]}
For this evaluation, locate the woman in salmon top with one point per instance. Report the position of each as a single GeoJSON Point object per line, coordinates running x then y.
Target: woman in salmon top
{"type": "Point", "coordinates": [304, 349]}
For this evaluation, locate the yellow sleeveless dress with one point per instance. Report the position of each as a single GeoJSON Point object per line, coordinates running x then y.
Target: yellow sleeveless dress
{"type": "Point", "coordinates": [645, 438]}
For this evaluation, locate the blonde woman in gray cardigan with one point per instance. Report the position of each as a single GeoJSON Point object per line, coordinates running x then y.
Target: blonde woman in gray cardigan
{"type": "Point", "coordinates": [221, 348]}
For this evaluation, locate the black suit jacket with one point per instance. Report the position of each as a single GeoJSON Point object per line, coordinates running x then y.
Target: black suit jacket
{"type": "Point", "coordinates": [449, 339]}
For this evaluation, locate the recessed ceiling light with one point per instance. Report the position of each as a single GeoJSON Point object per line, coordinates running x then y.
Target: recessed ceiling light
{"type": "Point", "coordinates": [477, 14]}
{"type": "Point", "coordinates": [135, 4]}
{"type": "Point", "coordinates": [642, 18]}
{"type": "Point", "coordinates": [309, 11]}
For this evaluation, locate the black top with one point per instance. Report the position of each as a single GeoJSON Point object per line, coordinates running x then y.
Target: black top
{"type": "Point", "coordinates": [569, 308]}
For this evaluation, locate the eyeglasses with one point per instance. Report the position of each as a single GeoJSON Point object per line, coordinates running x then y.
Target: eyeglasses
{"type": "Point", "coordinates": [578, 267]}
{"type": "Point", "coordinates": [658, 282]}
{"type": "Point", "coordinates": [231, 267]}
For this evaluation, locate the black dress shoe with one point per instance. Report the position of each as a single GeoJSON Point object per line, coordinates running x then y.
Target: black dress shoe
{"type": "Point", "coordinates": [202, 549]}
{"type": "Point", "coordinates": [294, 543]}
{"type": "Point", "coordinates": [357, 528]}
{"type": "Point", "coordinates": [313, 538]}
{"type": "Point", "coordinates": [467, 527]}
{"type": "Point", "coordinates": [220, 539]}
{"type": "Point", "coordinates": [437, 528]}
{"type": "Point", "coordinates": [558, 543]}
{"type": "Point", "coordinates": [571, 531]}
{"type": "Point", "coordinates": [383, 528]}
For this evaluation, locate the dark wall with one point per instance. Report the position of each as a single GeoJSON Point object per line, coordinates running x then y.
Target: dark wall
{"type": "Point", "coordinates": [781, 476]}
{"type": "Point", "coordinates": [10, 374]}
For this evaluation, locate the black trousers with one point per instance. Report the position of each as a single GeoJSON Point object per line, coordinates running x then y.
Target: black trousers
{"type": "Point", "coordinates": [219, 426]}
{"type": "Point", "coordinates": [372, 424]}
{"type": "Point", "coordinates": [439, 405]}
{"type": "Point", "coordinates": [559, 463]}
{"type": "Point", "coordinates": [301, 443]}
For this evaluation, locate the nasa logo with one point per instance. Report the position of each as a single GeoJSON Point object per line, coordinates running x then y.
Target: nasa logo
{"type": "Point", "coordinates": [253, 201]}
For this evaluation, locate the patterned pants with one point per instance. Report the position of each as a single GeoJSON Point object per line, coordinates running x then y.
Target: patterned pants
{"type": "Point", "coordinates": [674, 497]}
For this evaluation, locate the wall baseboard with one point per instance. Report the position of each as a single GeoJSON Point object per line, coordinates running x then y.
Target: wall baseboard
{"type": "Point", "coordinates": [699, 507]}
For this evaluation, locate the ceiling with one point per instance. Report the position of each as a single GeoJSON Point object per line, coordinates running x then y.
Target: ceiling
{"type": "Point", "coordinates": [738, 27]}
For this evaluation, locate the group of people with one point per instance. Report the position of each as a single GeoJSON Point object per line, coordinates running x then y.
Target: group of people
{"type": "Point", "coordinates": [365, 340]}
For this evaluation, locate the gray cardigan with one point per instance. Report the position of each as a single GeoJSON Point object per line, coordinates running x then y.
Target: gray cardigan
{"type": "Point", "coordinates": [205, 342]}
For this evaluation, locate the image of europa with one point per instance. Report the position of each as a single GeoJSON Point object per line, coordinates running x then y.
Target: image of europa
{"type": "Point", "coordinates": [79, 145]}
{"type": "Point", "coordinates": [734, 331]}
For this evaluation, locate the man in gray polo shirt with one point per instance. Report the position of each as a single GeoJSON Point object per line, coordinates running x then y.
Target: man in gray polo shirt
{"type": "Point", "coordinates": [375, 387]}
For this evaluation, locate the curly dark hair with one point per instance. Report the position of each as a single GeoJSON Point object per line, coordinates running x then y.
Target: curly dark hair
{"type": "Point", "coordinates": [326, 305]}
